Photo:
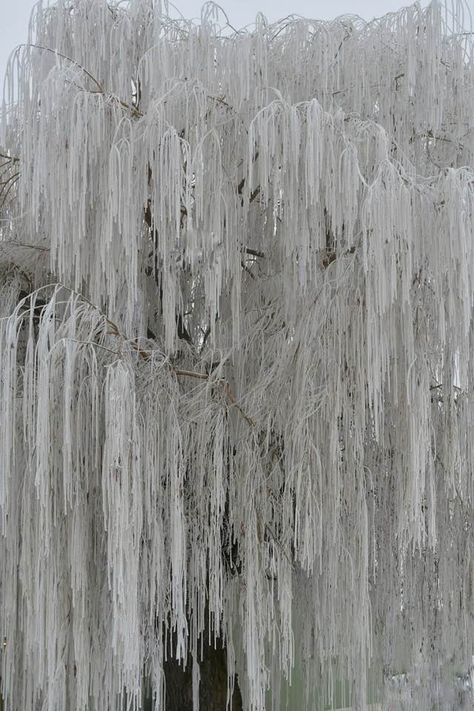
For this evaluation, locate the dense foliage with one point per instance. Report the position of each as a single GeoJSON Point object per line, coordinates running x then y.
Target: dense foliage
{"type": "Point", "coordinates": [236, 402]}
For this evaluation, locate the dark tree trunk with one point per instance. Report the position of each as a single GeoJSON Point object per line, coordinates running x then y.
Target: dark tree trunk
{"type": "Point", "coordinates": [212, 687]}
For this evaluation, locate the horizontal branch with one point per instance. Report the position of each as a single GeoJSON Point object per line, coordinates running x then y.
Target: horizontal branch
{"type": "Point", "coordinates": [254, 252]}
{"type": "Point", "coordinates": [191, 374]}
{"type": "Point", "coordinates": [69, 59]}
{"type": "Point", "coordinates": [15, 159]}
{"type": "Point", "coordinates": [15, 243]}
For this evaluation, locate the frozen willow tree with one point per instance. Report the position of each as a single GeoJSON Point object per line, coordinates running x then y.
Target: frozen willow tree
{"type": "Point", "coordinates": [236, 347]}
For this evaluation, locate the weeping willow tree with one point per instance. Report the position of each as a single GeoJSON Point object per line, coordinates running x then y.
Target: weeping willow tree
{"type": "Point", "coordinates": [237, 359]}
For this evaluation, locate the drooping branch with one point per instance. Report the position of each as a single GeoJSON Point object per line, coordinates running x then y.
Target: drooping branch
{"type": "Point", "coordinates": [260, 240]}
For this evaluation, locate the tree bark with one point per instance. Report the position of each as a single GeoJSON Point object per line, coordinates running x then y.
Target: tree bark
{"type": "Point", "coordinates": [212, 687]}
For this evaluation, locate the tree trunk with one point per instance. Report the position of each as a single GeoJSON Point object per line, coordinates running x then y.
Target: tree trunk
{"type": "Point", "coordinates": [212, 687]}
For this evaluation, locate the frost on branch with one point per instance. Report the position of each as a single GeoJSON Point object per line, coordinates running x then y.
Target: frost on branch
{"type": "Point", "coordinates": [236, 372]}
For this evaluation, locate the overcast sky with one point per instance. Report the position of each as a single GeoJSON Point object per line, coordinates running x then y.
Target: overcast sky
{"type": "Point", "coordinates": [15, 13]}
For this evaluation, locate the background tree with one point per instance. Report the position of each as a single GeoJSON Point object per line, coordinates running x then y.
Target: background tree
{"type": "Point", "coordinates": [236, 343]}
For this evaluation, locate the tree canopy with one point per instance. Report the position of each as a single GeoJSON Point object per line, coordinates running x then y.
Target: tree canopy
{"type": "Point", "coordinates": [236, 405]}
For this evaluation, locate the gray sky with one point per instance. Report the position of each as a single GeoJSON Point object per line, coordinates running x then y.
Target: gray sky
{"type": "Point", "coordinates": [15, 14]}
